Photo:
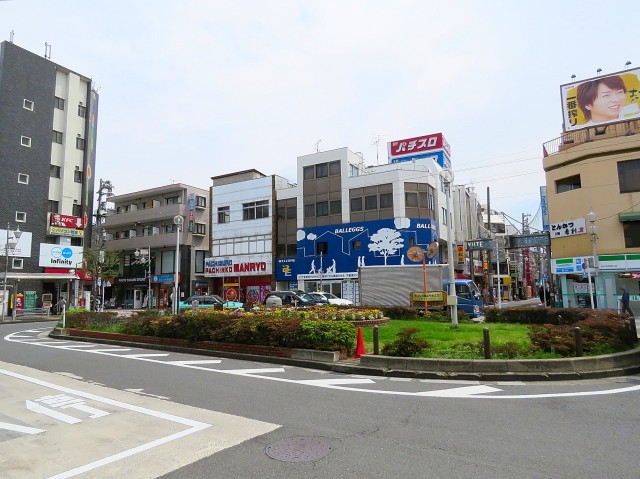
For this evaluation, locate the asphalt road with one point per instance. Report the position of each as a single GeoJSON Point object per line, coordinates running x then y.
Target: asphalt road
{"type": "Point", "coordinates": [88, 410]}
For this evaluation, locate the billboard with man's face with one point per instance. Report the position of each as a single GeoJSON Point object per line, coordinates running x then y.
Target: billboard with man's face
{"type": "Point", "coordinates": [601, 100]}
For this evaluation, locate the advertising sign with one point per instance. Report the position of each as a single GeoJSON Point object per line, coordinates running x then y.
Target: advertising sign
{"type": "Point", "coordinates": [568, 228]}
{"type": "Point", "coordinates": [286, 269]}
{"type": "Point", "coordinates": [460, 254]}
{"type": "Point", "coordinates": [65, 221]}
{"type": "Point", "coordinates": [57, 256]}
{"type": "Point", "coordinates": [544, 207]}
{"type": "Point", "coordinates": [60, 231]}
{"type": "Point", "coordinates": [23, 245]}
{"type": "Point", "coordinates": [601, 100]}
{"type": "Point", "coordinates": [419, 144]}
{"type": "Point", "coordinates": [242, 265]}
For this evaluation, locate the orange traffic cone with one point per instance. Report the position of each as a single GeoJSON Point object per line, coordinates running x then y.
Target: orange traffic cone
{"type": "Point", "coordinates": [360, 345]}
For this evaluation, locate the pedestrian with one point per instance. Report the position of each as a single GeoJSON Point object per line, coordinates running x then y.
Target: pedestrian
{"type": "Point", "coordinates": [541, 295]}
{"type": "Point", "coordinates": [62, 304]}
{"type": "Point", "coordinates": [624, 302]}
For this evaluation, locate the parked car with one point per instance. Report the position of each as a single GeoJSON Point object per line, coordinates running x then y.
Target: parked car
{"type": "Point", "coordinates": [292, 298]}
{"type": "Point", "coordinates": [208, 301]}
{"type": "Point", "coordinates": [331, 298]}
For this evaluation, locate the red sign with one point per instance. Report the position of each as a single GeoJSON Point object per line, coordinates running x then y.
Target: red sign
{"type": "Point", "coordinates": [419, 144]}
{"type": "Point", "coordinates": [65, 221]}
{"type": "Point", "coordinates": [231, 294]}
{"type": "Point", "coordinates": [635, 275]}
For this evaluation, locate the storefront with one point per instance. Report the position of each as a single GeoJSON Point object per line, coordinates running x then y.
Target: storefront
{"type": "Point", "coordinates": [244, 278]}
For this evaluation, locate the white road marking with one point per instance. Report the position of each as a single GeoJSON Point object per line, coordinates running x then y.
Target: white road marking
{"type": "Point", "coordinates": [335, 381]}
{"type": "Point", "coordinates": [242, 372]}
{"type": "Point", "coordinates": [19, 428]}
{"type": "Point", "coordinates": [107, 350]}
{"type": "Point", "coordinates": [40, 409]}
{"type": "Point", "coordinates": [143, 355]}
{"type": "Point", "coordinates": [459, 392]}
{"type": "Point", "coordinates": [75, 346]}
{"type": "Point", "coordinates": [193, 363]}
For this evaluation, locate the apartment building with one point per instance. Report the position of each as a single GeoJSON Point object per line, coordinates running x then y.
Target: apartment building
{"type": "Point", "coordinates": [48, 125]}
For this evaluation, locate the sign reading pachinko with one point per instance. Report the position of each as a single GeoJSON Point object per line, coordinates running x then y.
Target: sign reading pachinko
{"type": "Point", "coordinates": [241, 265]}
{"type": "Point", "coordinates": [568, 228]}
{"type": "Point", "coordinates": [601, 100]}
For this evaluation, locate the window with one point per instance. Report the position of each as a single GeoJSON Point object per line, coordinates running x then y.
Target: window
{"type": "Point", "coordinates": [356, 245]}
{"type": "Point", "coordinates": [199, 229]}
{"type": "Point", "coordinates": [58, 103]}
{"type": "Point", "coordinates": [444, 216]}
{"type": "Point", "coordinates": [255, 210]}
{"type": "Point", "coordinates": [173, 200]}
{"type": "Point", "coordinates": [54, 171]}
{"type": "Point", "coordinates": [77, 210]}
{"type": "Point", "coordinates": [25, 141]}
{"type": "Point", "coordinates": [568, 184]}
{"type": "Point", "coordinates": [224, 215]}
{"type": "Point", "coordinates": [201, 202]}
{"type": "Point", "coordinates": [200, 255]}
{"type": "Point", "coordinates": [322, 170]}
{"type": "Point", "coordinates": [292, 249]}
{"type": "Point", "coordinates": [322, 208]}
{"type": "Point", "coordinates": [310, 211]}
{"type": "Point", "coordinates": [411, 199]}
{"type": "Point", "coordinates": [335, 207]}
{"type": "Point", "coordinates": [21, 217]}
{"type": "Point", "coordinates": [17, 263]}
{"type": "Point", "coordinates": [167, 261]}
{"type": "Point", "coordinates": [80, 143]}
{"type": "Point", "coordinates": [386, 200]}
{"type": "Point", "coordinates": [170, 228]}
{"type": "Point", "coordinates": [629, 176]}
{"type": "Point", "coordinates": [356, 204]}
{"type": "Point", "coordinates": [77, 176]}
{"type": "Point", "coordinates": [334, 168]}
{"type": "Point", "coordinates": [27, 104]}
{"type": "Point", "coordinates": [292, 212]}
{"type": "Point", "coordinates": [82, 111]}
{"type": "Point", "coordinates": [631, 234]}
{"type": "Point", "coordinates": [322, 247]}
{"type": "Point", "coordinates": [53, 207]}
{"type": "Point", "coordinates": [307, 172]}
{"type": "Point", "coordinates": [57, 137]}
{"type": "Point", "coordinates": [371, 202]}
{"type": "Point", "coordinates": [23, 178]}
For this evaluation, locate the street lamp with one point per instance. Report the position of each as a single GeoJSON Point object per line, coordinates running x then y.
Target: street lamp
{"type": "Point", "coordinates": [178, 221]}
{"type": "Point", "coordinates": [144, 255]}
{"type": "Point", "coordinates": [593, 231]}
{"type": "Point", "coordinates": [7, 247]}
{"type": "Point", "coordinates": [447, 178]}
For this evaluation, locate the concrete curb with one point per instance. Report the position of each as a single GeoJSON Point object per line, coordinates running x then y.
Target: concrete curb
{"type": "Point", "coordinates": [566, 369]}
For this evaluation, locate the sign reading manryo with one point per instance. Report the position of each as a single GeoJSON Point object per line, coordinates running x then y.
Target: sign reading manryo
{"type": "Point", "coordinates": [249, 265]}
{"type": "Point", "coordinates": [65, 221]}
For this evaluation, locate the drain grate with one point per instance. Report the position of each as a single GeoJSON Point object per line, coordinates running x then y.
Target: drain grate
{"type": "Point", "coordinates": [299, 449]}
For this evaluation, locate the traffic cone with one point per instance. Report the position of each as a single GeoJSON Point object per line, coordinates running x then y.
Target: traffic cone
{"type": "Point", "coordinates": [360, 345]}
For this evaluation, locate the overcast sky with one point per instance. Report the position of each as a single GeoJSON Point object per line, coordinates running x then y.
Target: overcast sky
{"type": "Point", "coordinates": [191, 89]}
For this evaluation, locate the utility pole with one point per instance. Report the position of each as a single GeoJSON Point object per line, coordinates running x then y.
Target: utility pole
{"type": "Point", "coordinates": [489, 275]}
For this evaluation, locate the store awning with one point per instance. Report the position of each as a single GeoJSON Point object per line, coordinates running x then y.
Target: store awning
{"type": "Point", "coordinates": [40, 276]}
{"type": "Point", "coordinates": [629, 216]}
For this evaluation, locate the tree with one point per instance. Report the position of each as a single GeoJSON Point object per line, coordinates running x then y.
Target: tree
{"type": "Point", "coordinates": [103, 264]}
{"type": "Point", "coordinates": [386, 241]}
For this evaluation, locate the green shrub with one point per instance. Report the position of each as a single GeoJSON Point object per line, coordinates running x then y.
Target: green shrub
{"type": "Point", "coordinates": [407, 344]}
{"type": "Point", "coordinates": [400, 312]}
{"type": "Point", "coordinates": [328, 335]}
{"type": "Point", "coordinates": [538, 315]}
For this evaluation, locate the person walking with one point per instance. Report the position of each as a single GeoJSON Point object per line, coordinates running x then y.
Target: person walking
{"type": "Point", "coordinates": [624, 302]}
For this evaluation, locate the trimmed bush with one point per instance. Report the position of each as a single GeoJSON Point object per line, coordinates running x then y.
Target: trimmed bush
{"type": "Point", "coordinates": [407, 345]}
{"type": "Point", "coordinates": [328, 335]}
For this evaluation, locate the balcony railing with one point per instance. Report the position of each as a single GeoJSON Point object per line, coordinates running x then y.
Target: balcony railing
{"type": "Point", "coordinates": [586, 135]}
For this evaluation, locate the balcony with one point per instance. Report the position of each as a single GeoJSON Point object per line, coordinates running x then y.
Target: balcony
{"type": "Point", "coordinates": [141, 216]}
{"type": "Point", "coordinates": [579, 137]}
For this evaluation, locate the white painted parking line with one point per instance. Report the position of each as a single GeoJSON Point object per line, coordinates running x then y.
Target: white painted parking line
{"type": "Point", "coordinates": [20, 336]}
{"type": "Point", "coordinates": [142, 355]}
{"type": "Point", "coordinates": [194, 363]}
{"type": "Point", "coordinates": [459, 392]}
{"type": "Point", "coordinates": [242, 372]}
{"type": "Point", "coordinates": [19, 428]}
{"type": "Point", "coordinates": [60, 416]}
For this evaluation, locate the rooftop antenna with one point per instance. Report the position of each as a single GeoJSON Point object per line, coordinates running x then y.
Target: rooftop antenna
{"type": "Point", "coordinates": [598, 71]}
{"type": "Point", "coordinates": [174, 181]}
{"type": "Point", "coordinates": [573, 77]}
{"type": "Point", "coordinates": [376, 141]}
{"type": "Point", "coordinates": [626, 65]}
{"type": "Point", "coordinates": [11, 37]}
{"type": "Point", "coordinates": [317, 145]}
{"type": "Point", "coordinates": [47, 51]}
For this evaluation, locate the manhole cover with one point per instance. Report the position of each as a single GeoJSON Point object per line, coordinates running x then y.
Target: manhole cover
{"type": "Point", "coordinates": [299, 449]}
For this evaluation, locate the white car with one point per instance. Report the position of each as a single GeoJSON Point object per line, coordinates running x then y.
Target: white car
{"type": "Point", "coordinates": [332, 298]}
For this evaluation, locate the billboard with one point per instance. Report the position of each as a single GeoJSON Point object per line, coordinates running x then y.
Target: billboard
{"type": "Point", "coordinates": [420, 146]}
{"type": "Point", "coordinates": [242, 265]}
{"type": "Point", "coordinates": [601, 100]}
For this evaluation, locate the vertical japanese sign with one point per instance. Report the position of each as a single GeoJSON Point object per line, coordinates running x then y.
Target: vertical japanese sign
{"type": "Point", "coordinates": [544, 206]}
{"type": "Point", "coordinates": [192, 207]}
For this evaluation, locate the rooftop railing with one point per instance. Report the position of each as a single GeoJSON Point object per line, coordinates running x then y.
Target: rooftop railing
{"type": "Point", "coordinates": [586, 135]}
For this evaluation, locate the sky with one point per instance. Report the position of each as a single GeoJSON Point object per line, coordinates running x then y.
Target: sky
{"type": "Point", "coordinates": [192, 89]}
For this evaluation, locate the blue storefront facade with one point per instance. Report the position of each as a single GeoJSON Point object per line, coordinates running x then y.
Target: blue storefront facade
{"type": "Point", "coordinates": [328, 257]}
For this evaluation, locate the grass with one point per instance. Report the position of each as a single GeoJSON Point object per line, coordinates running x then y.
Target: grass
{"type": "Point", "coordinates": [462, 342]}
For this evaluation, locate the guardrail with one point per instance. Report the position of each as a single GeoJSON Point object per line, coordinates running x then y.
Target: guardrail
{"type": "Point", "coordinates": [586, 135]}
{"type": "Point", "coordinates": [32, 312]}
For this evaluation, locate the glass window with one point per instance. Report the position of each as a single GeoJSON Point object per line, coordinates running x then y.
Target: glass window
{"type": "Point", "coordinates": [199, 228]}
{"type": "Point", "coordinates": [292, 212]}
{"type": "Point", "coordinates": [25, 141]}
{"type": "Point", "coordinates": [224, 215]}
{"type": "Point", "coordinates": [23, 178]}
{"type": "Point", "coordinates": [201, 202]}
{"type": "Point", "coordinates": [356, 245]}
{"type": "Point", "coordinates": [76, 210]}
{"type": "Point", "coordinates": [292, 249]}
{"type": "Point", "coordinates": [282, 211]}
{"type": "Point", "coordinates": [21, 216]}
{"type": "Point", "coordinates": [356, 204]}
{"type": "Point", "coordinates": [54, 171]}
{"type": "Point", "coordinates": [53, 207]}
{"type": "Point", "coordinates": [335, 207]}
{"type": "Point", "coordinates": [172, 200]}
{"type": "Point", "coordinates": [411, 199]}
{"type": "Point", "coordinates": [322, 247]}
{"type": "Point", "coordinates": [255, 210]}
{"type": "Point", "coordinates": [629, 176]}
{"type": "Point", "coordinates": [371, 202]}
{"type": "Point", "coordinates": [167, 261]}
{"type": "Point", "coordinates": [567, 184]}
{"type": "Point", "coordinates": [386, 200]}
{"type": "Point", "coordinates": [77, 176]}
{"type": "Point", "coordinates": [334, 168]}
{"type": "Point", "coordinates": [307, 172]}
{"type": "Point", "coordinates": [27, 104]}
{"type": "Point", "coordinates": [82, 111]}
{"type": "Point", "coordinates": [631, 234]}
{"type": "Point", "coordinates": [310, 211]}
{"type": "Point", "coordinates": [57, 137]}
{"type": "Point", "coordinates": [58, 103]}
{"type": "Point", "coordinates": [322, 208]}
{"type": "Point", "coordinates": [80, 143]}
{"type": "Point", "coordinates": [322, 170]}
